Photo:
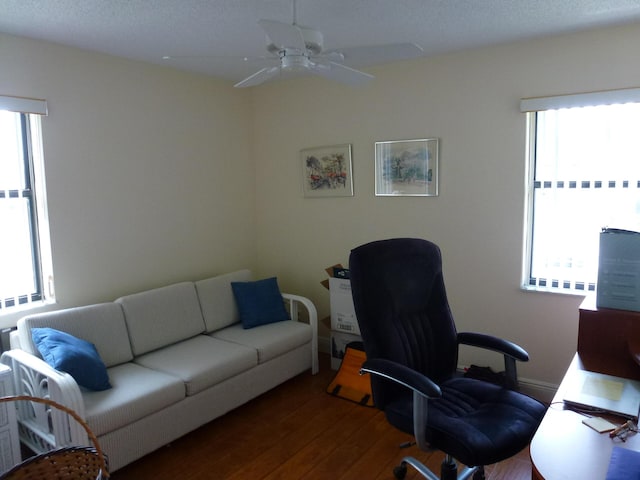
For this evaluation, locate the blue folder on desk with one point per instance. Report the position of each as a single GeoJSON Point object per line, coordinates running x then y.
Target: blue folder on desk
{"type": "Point", "coordinates": [597, 391]}
{"type": "Point", "coordinates": [624, 464]}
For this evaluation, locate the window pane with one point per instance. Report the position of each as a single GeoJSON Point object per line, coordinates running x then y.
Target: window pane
{"type": "Point", "coordinates": [16, 258]}
{"type": "Point", "coordinates": [587, 169]}
{"type": "Point", "coordinates": [25, 254]}
{"type": "Point", "coordinates": [11, 158]}
{"type": "Point", "coordinates": [592, 143]}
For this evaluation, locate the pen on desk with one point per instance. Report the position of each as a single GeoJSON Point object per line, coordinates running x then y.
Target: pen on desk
{"type": "Point", "coordinates": [625, 426]}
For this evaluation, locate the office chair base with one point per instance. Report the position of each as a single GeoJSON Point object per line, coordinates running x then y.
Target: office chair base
{"type": "Point", "coordinates": [449, 470]}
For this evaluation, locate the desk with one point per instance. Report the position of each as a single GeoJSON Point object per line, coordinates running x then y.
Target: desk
{"type": "Point", "coordinates": [563, 447]}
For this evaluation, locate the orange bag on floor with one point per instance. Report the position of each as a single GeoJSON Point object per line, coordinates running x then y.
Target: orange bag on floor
{"type": "Point", "coordinates": [348, 383]}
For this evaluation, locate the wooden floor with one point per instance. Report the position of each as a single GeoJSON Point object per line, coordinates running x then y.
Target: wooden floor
{"type": "Point", "coordinates": [297, 431]}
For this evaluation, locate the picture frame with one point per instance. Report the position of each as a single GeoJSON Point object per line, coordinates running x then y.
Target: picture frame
{"type": "Point", "coordinates": [327, 171]}
{"type": "Point", "coordinates": [407, 168]}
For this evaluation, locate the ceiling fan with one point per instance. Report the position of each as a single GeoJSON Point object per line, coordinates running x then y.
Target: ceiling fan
{"type": "Point", "coordinates": [295, 48]}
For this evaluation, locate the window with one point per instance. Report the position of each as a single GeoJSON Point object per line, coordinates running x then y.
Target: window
{"type": "Point", "coordinates": [584, 175]}
{"type": "Point", "coordinates": [25, 254]}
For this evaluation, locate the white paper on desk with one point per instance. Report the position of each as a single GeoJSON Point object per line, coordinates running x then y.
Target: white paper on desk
{"type": "Point", "coordinates": [602, 387]}
{"type": "Point", "coordinates": [592, 390]}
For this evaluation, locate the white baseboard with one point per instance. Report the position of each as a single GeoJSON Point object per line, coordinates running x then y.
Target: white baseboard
{"type": "Point", "coordinates": [542, 391]}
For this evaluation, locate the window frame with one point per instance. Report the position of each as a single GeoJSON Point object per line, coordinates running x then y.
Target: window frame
{"type": "Point", "coordinates": [34, 191]}
{"type": "Point", "coordinates": [532, 107]}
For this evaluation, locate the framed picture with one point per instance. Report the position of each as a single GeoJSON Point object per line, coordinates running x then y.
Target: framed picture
{"type": "Point", "coordinates": [326, 171]}
{"type": "Point", "coordinates": [407, 168]}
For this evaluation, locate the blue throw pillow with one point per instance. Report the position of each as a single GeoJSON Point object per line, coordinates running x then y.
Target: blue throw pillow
{"type": "Point", "coordinates": [259, 302]}
{"type": "Point", "coordinates": [72, 355]}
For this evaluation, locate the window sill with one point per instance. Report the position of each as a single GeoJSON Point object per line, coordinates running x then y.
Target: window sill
{"type": "Point", "coordinates": [560, 291]}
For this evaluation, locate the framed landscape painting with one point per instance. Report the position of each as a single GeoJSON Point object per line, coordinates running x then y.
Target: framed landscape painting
{"type": "Point", "coordinates": [326, 171]}
{"type": "Point", "coordinates": [407, 168]}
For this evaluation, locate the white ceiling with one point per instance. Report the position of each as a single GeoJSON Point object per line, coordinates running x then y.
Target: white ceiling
{"type": "Point", "coordinates": [223, 32]}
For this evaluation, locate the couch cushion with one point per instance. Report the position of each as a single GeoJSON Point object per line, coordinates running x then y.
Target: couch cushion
{"type": "Point", "coordinates": [160, 317]}
{"type": "Point", "coordinates": [72, 355]}
{"type": "Point", "coordinates": [270, 340]}
{"type": "Point", "coordinates": [101, 324]}
{"type": "Point", "coordinates": [216, 299]}
{"type": "Point", "coordinates": [259, 302]}
{"type": "Point", "coordinates": [137, 392]}
{"type": "Point", "coordinates": [201, 361]}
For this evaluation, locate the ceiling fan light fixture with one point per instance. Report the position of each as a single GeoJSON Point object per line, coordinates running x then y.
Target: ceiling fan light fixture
{"type": "Point", "coordinates": [294, 61]}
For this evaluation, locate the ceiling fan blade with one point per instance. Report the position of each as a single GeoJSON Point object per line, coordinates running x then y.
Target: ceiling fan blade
{"type": "Point", "coordinates": [340, 73]}
{"type": "Point", "coordinates": [283, 35]}
{"type": "Point", "coordinates": [218, 58]}
{"type": "Point", "coordinates": [361, 56]}
{"type": "Point", "coordinates": [259, 77]}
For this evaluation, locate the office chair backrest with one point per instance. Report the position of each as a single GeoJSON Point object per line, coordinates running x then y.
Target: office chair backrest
{"type": "Point", "coordinates": [402, 308]}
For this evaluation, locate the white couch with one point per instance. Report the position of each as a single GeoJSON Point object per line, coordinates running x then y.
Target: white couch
{"type": "Point", "coordinates": [177, 357]}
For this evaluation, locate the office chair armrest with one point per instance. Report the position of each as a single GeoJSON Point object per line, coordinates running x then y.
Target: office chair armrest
{"type": "Point", "coordinates": [422, 390]}
{"type": "Point", "coordinates": [497, 344]}
{"type": "Point", "coordinates": [510, 351]}
{"type": "Point", "coordinates": [403, 375]}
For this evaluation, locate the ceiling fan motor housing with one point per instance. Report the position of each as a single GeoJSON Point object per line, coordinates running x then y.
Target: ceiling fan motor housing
{"type": "Point", "coordinates": [313, 41]}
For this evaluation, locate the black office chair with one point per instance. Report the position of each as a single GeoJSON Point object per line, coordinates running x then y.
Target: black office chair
{"type": "Point", "coordinates": [411, 344]}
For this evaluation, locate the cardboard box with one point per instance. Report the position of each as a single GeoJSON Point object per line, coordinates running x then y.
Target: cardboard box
{"type": "Point", "coordinates": [619, 270]}
{"type": "Point", "coordinates": [343, 314]}
{"type": "Point", "coordinates": [331, 272]}
{"type": "Point", "coordinates": [339, 342]}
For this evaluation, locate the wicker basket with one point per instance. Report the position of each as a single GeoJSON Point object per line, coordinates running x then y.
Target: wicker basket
{"type": "Point", "coordinates": [72, 463]}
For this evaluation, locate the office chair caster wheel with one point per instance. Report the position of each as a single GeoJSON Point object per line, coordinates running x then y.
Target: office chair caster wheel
{"type": "Point", "coordinates": [400, 471]}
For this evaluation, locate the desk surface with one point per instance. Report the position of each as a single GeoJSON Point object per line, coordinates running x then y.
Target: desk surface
{"type": "Point", "coordinates": [565, 448]}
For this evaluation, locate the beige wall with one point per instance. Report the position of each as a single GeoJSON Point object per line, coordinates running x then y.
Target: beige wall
{"type": "Point", "coordinates": [470, 101]}
{"type": "Point", "coordinates": [148, 171]}
{"type": "Point", "coordinates": [156, 176]}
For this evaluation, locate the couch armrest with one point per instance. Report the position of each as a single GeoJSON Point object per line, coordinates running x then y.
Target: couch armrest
{"type": "Point", "coordinates": [294, 301]}
{"type": "Point", "coordinates": [41, 427]}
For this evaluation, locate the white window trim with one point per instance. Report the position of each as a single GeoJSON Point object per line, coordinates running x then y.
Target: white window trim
{"type": "Point", "coordinates": [608, 97]}
{"type": "Point", "coordinates": [23, 105]}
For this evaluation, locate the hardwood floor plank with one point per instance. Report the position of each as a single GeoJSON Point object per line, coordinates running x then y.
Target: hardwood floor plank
{"type": "Point", "coordinates": [328, 452]}
{"type": "Point", "coordinates": [265, 450]}
{"type": "Point", "coordinates": [293, 436]}
{"type": "Point", "coordinates": [378, 450]}
{"type": "Point", "coordinates": [297, 431]}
